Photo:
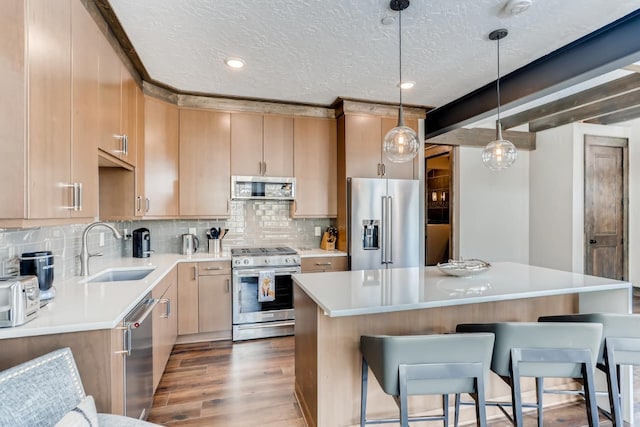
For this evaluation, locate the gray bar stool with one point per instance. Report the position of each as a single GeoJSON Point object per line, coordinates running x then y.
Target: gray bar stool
{"type": "Point", "coordinates": [530, 349]}
{"type": "Point", "coordinates": [426, 364]}
{"type": "Point", "coordinates": [620, 345]}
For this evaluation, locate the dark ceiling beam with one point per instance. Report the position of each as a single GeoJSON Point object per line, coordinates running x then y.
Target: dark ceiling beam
{"type": "Point", "coordinates": [589, 111]}
{"type": "Point", "coordinates": [478, 137]}
{"type": "Point", "coordinates": [606, 49]}
{"type": "Point", "coordinates": [597, 93]}
{"type": "Point", "coordinates": [617, 117]}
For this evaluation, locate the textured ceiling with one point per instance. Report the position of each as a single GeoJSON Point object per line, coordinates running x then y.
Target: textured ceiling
{"type": "Point", "coordinates": [313, 51]}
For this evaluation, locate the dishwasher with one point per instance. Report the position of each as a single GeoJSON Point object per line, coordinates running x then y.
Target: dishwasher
{"type": "Point", "coordinates": [138, 361]}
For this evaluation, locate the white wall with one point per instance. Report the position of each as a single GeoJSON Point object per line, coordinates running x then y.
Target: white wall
{"type": "Point", "coordinates": [634, 201]}
{"type": "Point", "coordinates": [492, 208]}
{"type": "Point", "coordinates": [551, 199]}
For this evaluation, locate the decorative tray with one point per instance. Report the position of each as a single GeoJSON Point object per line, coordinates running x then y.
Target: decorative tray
{"type": "Point", "coordinates": [466, 267]}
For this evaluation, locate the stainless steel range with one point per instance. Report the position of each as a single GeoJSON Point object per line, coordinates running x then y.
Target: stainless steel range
{"type": "Point", "coordinates": [263, 291]}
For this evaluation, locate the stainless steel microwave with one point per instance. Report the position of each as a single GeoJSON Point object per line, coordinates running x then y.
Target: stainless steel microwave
{"type": "Point", "coordinates": [263, 187]}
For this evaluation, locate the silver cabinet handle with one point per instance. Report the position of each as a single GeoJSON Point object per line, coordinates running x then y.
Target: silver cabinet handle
{"type": "Point", "coordinates": [125, 145]}
{"type": "Point", "coordinates": [126, 338]}
{"type": "Point", "coordinates": [384, 169]}
{"type": "Point", "coordinates": [213, 268]}
{"type": "Point", "coordinates": [78, 188]}
{"type": "Point", "coordinates": [227, 286]}
{"type": "Point", "coordinates": [147, 204]}
{"type": "Point", "coordinates": [195, 273]}
{"type": "Point", "coordinates": [138, 203]}
{"type": "Point", "coordinates": [383, 236]}
{"type": "Point", "coordinates": [323, 263]}
{"type": "Point", "coordinates": [167, 312]}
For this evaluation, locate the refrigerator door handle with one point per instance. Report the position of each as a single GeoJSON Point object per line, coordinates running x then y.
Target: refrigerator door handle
{"type": "Point", "coordinates": [383, 235]}
{"type": "Point", "coordinates": [389, 226]}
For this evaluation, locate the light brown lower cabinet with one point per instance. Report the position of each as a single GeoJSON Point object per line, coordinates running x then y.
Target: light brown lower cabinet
{"type": "Point", "coordinates": [165, 323]}
{"type": "Point", "coordinates": [96, 353]}
{"type": "Point", "coordinates": [323, 264]}
{"type": "Point", "coordinates": [204, 299]}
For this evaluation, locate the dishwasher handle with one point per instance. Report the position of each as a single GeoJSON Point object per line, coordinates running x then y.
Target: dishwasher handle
{"type": "Point", "coordinates": [151, 304]}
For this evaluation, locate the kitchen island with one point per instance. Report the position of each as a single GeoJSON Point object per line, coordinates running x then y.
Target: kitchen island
{"type": "Point", "coordinates": [334, 309]}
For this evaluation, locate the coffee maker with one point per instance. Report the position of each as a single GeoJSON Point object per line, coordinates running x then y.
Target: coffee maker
{"type": "Point", "coordinates": [39, 264]}
{"type": "Point", "coordinates": [141, 243]}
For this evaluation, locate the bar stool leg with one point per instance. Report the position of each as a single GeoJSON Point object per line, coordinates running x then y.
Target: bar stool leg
{"type": "Point", "coordinates": [516, 392]}
{"type": "Point", "coordinates": [539, 397]}
{"type": "Point", "coordinates": [445, 409]}
{"type": "Point", "coordinates": [456, 413]}
{"type": "Point", "coordinates": [363, 393]}
{"type": "Point", "coordinates": [612, 386]}
{"type": "Point", "coordinates": [590, 394]}
{"type": "Point", "coordinates": [402, 383]}
{"type": "Point", "coordinates": [481, 407]}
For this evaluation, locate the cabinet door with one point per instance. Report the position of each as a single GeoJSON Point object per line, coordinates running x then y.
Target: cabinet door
{"type": "Point", "coordinates": [362, 146]}
{"type": "Point", "coordinates": [187, 298]}
{"type": "Point", "coordinates": [110, 93]}
{"type": "Point", "coordinates": [128, 116]}
{"type": "Point", "coordinates": [49, 79]}
{"type": "Point", "coordinates": [161, 158]}
{"type": "Point", "coordinates": [214, 303]}
{"type": "Point", "coordinates": [140, 199]}
{"type": "Point", "coordinates": [205, 174]}
{"type": "Point", "coordinates": [397, 170]}
{"type": "Point", "coordinates": [277, 146]}
{"type": "Point", "coordinates": [165, 325]}
{"type": "Point", "coordinates": [246, 144]}
{"type": "Point", "coordinates": [315, 169]}
{"type": "Point", "coordinates": [85, 100]}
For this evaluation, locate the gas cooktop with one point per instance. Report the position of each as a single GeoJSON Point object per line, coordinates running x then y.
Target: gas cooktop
{"type": "Point", "coordinates": [264, 257]}
{"type": "Point", "coordinates": [283, 250]}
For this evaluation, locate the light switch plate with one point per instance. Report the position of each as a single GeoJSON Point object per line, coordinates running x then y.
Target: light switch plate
{"type": "Point", "coordinates": [318, 231]}
{"type": "Point", "coordinates": [192, 230]}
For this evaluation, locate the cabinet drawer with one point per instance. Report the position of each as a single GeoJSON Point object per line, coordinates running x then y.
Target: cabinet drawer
{"type": "Point", "coordinates": [211, 268]}
{"type": "Point", "coordinates": [321, 264]}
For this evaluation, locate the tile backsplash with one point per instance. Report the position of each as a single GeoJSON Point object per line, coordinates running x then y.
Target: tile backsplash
{"type": "Point", "coordinates": [252, 223]}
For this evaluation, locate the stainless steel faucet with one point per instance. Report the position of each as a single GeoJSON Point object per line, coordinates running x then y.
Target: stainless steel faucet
{"type": "Point", "coordinates": [84, 254]}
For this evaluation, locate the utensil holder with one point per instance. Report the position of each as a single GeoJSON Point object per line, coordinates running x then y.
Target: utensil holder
{"type": "Point", "coordinates": [215, 246]}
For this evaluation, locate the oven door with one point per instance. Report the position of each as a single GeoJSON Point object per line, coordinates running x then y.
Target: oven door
{"type": "Point", "coordinates": [247, 308]}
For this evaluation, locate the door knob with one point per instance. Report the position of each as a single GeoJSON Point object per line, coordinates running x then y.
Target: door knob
{"type": "Point", "coordinates": [593, 241]}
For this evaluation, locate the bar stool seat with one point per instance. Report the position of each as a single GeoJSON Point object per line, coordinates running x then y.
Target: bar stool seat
{"type": "Point", "coordinates": [620, 345]}
{"type": "Point", "coordinates": [530, 349]}
{"type": "Point", "coordinates": [425, 365]}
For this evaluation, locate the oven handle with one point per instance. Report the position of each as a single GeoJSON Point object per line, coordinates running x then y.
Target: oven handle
{"type": "Point", "coordinates": [267, 325]}
{"type": "Point", "coordinates": [256, 271]}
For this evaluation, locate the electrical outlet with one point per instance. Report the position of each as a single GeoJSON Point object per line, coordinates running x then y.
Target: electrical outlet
{"type": "Point", "coordinates": [318, 231]}
{"type": "Point", "coordinates": [192, 230]}
{"type": "Point", "coordinates": [101, 239]}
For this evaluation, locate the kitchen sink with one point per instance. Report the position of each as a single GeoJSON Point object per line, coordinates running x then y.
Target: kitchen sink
{"type": "Point", "coordinates": [121, 274]}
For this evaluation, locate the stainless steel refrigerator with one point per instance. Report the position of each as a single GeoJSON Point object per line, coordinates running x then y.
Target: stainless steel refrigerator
{"type": "Point", "coordinates": [384, 229]}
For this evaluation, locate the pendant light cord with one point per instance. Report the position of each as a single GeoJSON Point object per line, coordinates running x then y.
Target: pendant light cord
{"type": "Point", "coordinates": [400, 112]}
{"type": "Point", "coordinates": [498, 90]}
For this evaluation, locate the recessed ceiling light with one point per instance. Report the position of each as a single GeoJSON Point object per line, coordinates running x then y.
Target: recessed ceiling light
{"type": "Point", "coordinates": [406, 85]}
{"type": "Point", "coordinates": [387, 20]}
{"type": "Point", "coordinates": [235, 63]}
{"type": "Point", "coordinates": [516, 7]}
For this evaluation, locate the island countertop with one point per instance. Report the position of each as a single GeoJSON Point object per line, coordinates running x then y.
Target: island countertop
{"type": "Point", "coordinates": [362, 292]}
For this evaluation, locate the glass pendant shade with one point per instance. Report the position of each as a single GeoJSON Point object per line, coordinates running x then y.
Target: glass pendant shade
{"type": "Point", "coordinates": [499, 154]}
{"type": "Point", "coordinates": [401, 144]}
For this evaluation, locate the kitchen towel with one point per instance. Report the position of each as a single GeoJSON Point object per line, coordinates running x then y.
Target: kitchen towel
{"type": "Point", "coordinates": [267, 286]}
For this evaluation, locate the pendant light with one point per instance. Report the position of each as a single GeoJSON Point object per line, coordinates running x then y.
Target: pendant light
{"type": "Point", "coordinates": [501, 153]}
{"type": "Point", "coordinates": [400, 144]}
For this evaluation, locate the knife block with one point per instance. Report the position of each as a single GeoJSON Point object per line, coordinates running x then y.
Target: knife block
{"type": "Point", "coordinates": [328, 242]}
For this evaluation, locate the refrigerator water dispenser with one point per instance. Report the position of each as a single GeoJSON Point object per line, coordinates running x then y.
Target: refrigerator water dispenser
{"type": "Point", "coordinates": [370, 234]}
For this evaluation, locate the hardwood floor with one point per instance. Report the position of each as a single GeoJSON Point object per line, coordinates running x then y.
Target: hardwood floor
{"type": "Point", "coordinates": [252, 384]}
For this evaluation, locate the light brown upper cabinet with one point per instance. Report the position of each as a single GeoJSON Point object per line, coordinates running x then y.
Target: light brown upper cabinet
{"type": "Point", "coordinates": [315, 169]}
{"type": "Point", "coordinates": [205, 174]}
{"type": "Point", "coordinates": [364, 157]}
{"type": "Point", "coordinates": [44, 157]}
{"type": "Point", "coordinates": [160, 158]}
{"type": "Point", "coordinates": [117, 105]}
{"type": "Point", "coordinates": [261, 145]}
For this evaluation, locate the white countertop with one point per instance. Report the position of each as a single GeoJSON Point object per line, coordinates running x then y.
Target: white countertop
{"type": "Point", "coordinates": [359, 292]}
{"type": "Point", "coordinates": [317, 252]}
{"type": "Point", "coordinates": [90, 306]}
